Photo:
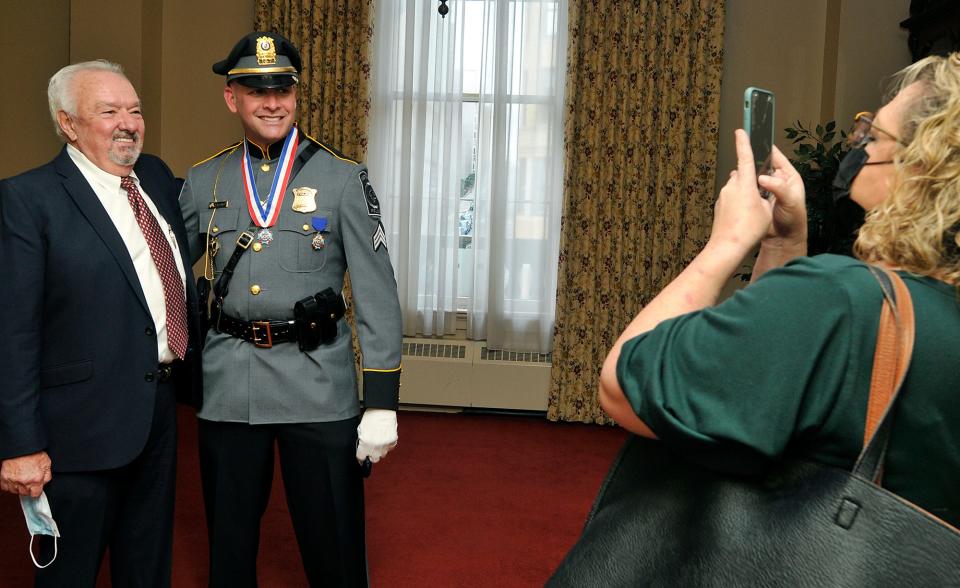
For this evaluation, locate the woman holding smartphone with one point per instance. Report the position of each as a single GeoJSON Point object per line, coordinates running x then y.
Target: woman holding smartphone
{"type": "Point", "coordinates": [783, 367]}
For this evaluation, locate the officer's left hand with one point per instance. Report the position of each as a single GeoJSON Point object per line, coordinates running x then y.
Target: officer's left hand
{"type": "Point", "coordinates": [377, 434]}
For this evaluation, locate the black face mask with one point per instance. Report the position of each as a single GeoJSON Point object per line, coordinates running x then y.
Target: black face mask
{"type": "Point", "coordinates": [850, 166]}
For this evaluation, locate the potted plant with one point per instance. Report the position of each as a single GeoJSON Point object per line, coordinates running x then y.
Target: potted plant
{"type": "Point", "coordinates": [831, 226]}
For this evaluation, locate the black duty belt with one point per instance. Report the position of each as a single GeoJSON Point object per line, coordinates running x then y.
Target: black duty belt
{"type": "Point", "coordinates": [261, 333]}
{"type": "Point", "coordinates": [316, 316]}
{"type": "Point", "coordinates": [267, 333]}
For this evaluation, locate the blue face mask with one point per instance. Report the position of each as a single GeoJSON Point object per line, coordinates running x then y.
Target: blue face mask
{"type": "Point", "coordinates": [40, 521]}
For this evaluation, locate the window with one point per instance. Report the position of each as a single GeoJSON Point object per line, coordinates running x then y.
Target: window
{"type": "Point", "coordinates": [466, 152]}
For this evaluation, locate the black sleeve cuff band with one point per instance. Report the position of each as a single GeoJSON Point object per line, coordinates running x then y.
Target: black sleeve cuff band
{"type": "Point", "coordinates": [381, 389]}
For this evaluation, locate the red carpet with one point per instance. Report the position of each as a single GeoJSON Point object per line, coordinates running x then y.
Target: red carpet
{"type": "Point", "coordinates": [464, 500]}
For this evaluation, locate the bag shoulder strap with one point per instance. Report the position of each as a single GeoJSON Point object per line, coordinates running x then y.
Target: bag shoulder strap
{"type": "Point", "coordinates": [891, 361]}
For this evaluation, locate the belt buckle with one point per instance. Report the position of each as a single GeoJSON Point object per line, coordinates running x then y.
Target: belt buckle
{"type": "Point", "coordinates": [244, 240]}
{"type": "Point", "coordinates": [258, 340]}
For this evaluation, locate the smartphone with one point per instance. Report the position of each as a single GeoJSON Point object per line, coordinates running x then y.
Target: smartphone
{"type": "Point", "coordinates": [758, 106]}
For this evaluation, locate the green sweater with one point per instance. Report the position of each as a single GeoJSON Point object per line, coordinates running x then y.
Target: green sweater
{"type": "Point", "coordinates": [783, 368]}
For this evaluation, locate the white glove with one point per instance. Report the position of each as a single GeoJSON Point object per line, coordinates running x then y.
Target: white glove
{"type": "Point", "coordinates": [377, 434]}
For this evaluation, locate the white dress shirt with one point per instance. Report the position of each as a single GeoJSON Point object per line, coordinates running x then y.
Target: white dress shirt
{"type": "Point", "coordinates": [114, 199]}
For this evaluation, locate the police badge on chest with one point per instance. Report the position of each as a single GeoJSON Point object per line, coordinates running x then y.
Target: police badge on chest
{"type": "Point", "coordinates": [304, 199]}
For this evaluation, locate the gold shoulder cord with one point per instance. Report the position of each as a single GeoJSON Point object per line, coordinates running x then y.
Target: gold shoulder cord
{"type": "Point", "coordinates": [207, 258]}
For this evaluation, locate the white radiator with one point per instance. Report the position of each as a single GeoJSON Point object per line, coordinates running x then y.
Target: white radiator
{"type": "Point", "coordinates": [467, 374]}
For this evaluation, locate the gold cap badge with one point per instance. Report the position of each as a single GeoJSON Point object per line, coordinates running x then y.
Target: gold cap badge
{"type": "Point", "coordinates": [266, 51]}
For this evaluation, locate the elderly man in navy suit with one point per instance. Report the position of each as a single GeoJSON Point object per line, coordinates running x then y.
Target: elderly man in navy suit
{"type": "Point", "coordinates": [96, 329]}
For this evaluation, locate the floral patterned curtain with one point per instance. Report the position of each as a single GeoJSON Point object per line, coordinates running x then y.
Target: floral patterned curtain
{"type": "Point", "coordinates": [642, 113]}
{"type": "Point", "coordinates": [334, 38]}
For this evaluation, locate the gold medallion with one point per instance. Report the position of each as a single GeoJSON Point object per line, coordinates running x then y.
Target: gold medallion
{"type": "Point", "coordinates": [304, 199]}
{"type": "Point", "coordinates": [265, 167]}
{"type": "Point", "coordinates": [266, 52]}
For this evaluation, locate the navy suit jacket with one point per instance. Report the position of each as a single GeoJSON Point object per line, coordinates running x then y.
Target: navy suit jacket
{"type": "Point", "coordinates": [78, 346]}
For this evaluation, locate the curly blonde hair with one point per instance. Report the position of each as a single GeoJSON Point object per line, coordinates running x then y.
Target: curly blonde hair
{"type": "Point", "coordinates": [916, 227]}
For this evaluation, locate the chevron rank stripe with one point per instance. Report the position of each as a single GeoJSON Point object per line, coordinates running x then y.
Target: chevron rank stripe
{"type": "Point", "coordinates": [379, 237]}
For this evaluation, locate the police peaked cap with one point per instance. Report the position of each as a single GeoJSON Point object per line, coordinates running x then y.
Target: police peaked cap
{"type": "Point", "coordinates": [262, 60]}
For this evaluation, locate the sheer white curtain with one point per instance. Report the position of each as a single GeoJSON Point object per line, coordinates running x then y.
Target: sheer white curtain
{"type": "Point", "coordinates": [466, 151]}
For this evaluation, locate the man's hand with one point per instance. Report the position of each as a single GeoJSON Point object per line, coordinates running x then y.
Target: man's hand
{"type": "Point", "coordinates": [377, 434]}
{"type": "Point", "coordinates": [25, 475]}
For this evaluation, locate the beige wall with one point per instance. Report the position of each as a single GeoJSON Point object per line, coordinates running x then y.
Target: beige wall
{"type": "Point", "coordinates": [95, 33]}
{"type": "Point", "coordinates": [196, 122]}
{"type": "Point", "coordinates": [166, 48]}
{"type": "Point", "coordinates": [822, 58]}
{"type": "Point", "coordinates": [34, 43]}
{"type": "Point", "coordinates": [869, 50]}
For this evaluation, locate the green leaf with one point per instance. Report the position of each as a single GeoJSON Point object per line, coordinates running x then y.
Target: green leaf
{"type": "Point", "coordinates": [830, 126]}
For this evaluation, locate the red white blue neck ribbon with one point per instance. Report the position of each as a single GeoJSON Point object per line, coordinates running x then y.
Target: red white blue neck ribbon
{"type": "Point", "coordinates": [264, 214]}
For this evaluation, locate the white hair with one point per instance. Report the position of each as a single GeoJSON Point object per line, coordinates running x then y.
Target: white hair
{"type": "Point", "coordinates": [60, 94]}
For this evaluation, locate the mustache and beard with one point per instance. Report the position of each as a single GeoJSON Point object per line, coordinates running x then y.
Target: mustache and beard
{"type": "Point", "coordinates": [125, 153]}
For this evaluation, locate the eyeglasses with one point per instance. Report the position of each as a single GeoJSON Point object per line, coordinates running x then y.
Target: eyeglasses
{"type": "Point", "coordinates": [860, 133]}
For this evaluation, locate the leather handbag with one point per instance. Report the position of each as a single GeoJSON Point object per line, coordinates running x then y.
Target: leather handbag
{"type": "Point", "coordinates": [662, 521]}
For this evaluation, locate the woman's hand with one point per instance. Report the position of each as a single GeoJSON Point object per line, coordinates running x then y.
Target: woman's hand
{"type": "Point", "coordinates": [741, 216]}
{"type": "Point", "coordinates": [786, 236]}
{"type": "Point", "coordinates": [789, 205]}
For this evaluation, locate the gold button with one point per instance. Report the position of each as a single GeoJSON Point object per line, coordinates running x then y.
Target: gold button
{"type": "Point", "coordinates": [257, 246]}
{"type": "Point", "coordinates": [216, 229]}
{"type": "Point", "coordinates": [306, 227]}
{"type": "Point", "coordinates": [254, 289]}
{"type": "Point", "coordinates": [265, 167]}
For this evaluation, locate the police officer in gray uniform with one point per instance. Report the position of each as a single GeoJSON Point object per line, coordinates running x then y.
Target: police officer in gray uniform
{"type": "Point", "coordinates": [279, 218]}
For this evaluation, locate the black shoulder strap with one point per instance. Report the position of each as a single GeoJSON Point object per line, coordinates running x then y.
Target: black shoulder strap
{"type": "Point", "coordinates": [243, 243]}
{"type": "Point", "coordinates": [305, 154]}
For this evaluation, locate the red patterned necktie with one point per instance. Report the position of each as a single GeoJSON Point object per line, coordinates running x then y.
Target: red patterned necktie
{"type": "Point", "coordinates": [162, 258]}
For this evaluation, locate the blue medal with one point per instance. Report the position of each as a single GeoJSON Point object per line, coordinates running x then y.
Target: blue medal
{"type": "Point", "coordinates": [319, 223]}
